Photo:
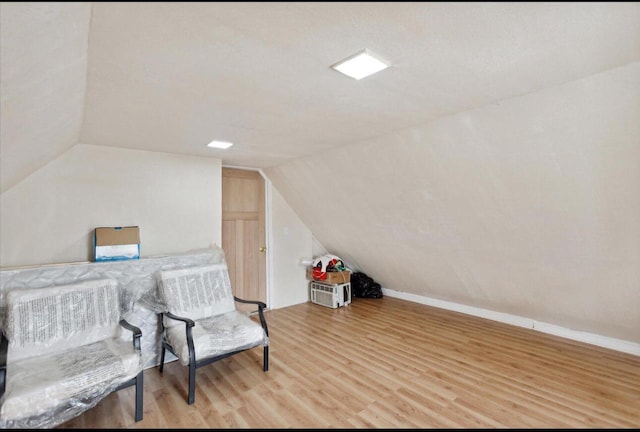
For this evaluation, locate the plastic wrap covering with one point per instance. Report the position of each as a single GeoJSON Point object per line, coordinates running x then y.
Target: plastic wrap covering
{"type": "Point", "coordinates": [66, 351]}
{"type": "Point", "coordinates": [46, 391]}
{"type": "Point", "coordinates": [203, 294]}
{"type": "Point", "coordinates": [196, 292]}
{"type": "Point", "coordinates": [137, 279]}
{"type": "Point", "coordinates": [216, 335]}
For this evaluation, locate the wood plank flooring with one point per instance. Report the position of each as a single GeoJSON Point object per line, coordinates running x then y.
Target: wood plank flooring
{"type": "Point", "coordinates": [389, 363]}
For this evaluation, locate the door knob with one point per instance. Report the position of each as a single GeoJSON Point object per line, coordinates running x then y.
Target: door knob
{"type": "Point", "coordinates": [263, 249]}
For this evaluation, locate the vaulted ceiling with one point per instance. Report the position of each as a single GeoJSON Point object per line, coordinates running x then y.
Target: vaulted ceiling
{"type": "Point", "coordinates": [495, 163]}
{"type": "Point", "coordinates": [173, 76]}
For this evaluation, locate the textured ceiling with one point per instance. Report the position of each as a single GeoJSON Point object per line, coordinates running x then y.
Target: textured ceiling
{"type": "Point", "coordinates": [529, 207]}
{"type": "Point", "coordinates": [172, 76]}
{"type": "Point", "coordinates": [43, 70]}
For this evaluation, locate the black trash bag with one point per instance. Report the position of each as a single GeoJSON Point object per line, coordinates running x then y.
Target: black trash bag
{"type": "Point", "coordinates": [364, 286]}
{"type": "Point", "coordinates": [374, 291]}
{"type": "Point", "coordinates": [358, 281]}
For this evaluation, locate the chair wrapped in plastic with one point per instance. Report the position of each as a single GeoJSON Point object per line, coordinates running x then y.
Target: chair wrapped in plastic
{"type": "Point", "coordinates": [62, 350]}
{"type": "Point", "coordinates": [201, 324]}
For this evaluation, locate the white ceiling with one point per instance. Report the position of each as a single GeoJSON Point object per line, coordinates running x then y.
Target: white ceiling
{"type": "Point", "coordinates": [172, 76]}
{"type": "Point", "coordinates": [43, 72]}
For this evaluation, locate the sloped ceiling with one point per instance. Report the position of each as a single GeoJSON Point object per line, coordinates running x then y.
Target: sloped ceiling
{"type": "Point", "coordinates": [171, 76]}
{"type": "Point", "coordinates": [530, 206]}
{"type": "Point", "coordinates": [43, 72]}
{"type": "Point", "coordinates": [494, 163]}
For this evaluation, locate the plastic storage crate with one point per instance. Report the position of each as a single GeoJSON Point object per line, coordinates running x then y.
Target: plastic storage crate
{"type": "Point", "coordinates": [333, 296]}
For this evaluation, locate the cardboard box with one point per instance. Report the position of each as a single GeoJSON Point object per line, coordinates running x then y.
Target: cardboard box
{"type": "Point", "coordinates": [116, 243]}
{"type": "Point", "coordinates": [333, 278]}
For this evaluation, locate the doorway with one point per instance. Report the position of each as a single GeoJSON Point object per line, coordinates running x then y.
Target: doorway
{"type": "Point", "coordinates": [243, 233]}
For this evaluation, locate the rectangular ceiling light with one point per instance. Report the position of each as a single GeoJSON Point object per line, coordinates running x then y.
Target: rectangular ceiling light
{"type": "Point", "coordinates": [360, 65]}
{"type": "Point", "coordinates": [219, 144]}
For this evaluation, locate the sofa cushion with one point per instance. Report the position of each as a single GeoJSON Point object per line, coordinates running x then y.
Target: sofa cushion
{"type": "Point", "coordinates": [42, 384]}
{"type": "Point", "coordinates": [57, 318]}
{"type": "Point", "coordinates": [217, 335]}
{"type": "Point", "coordinates": [196, 292]}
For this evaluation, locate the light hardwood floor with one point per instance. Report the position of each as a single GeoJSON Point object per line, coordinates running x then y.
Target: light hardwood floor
{"type": "Point", "coordinates": [389, 363]}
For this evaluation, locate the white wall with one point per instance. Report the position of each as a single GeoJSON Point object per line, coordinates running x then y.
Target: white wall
{"type": "Point", "coordinates": [49, 217]}
{"type": "Point", "coordinates": [291, 242]}
{"type": "Point", "coordinates": [317, 249]}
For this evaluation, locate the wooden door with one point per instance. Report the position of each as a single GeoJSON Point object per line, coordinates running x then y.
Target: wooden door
{"type": "Point", "coordinates": [243, 233]}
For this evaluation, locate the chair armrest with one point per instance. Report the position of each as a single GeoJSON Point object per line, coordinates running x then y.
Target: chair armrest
{"type": "Point", "coordinates": [256, 302]}
{"type": "Point", "coordinates": [137, 333]}
{"type": "Point", "coordinates": [4, 347]}
{"type": "Point", "coordinates": [187, 321]}
{"type": "Point", "coordinates": [261, 306]}
{"type": "Point", "coordinates": [189, 324]}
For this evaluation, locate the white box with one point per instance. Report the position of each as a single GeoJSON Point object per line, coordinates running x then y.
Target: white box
{"type": "Point", "coordinates": [333, 296]}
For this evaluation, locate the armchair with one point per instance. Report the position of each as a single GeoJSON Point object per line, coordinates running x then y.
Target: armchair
{"type": "Point", "coordinates": [62, 350]}
{"type": "Point", "coordinates": [201, 324]}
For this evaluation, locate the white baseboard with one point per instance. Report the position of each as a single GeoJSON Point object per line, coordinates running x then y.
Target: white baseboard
{"type": "Point", "coordinates": [590, 338]}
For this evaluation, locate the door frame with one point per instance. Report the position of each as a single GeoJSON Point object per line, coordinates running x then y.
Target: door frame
{"type": "Point", "coordinates": [268, 229]}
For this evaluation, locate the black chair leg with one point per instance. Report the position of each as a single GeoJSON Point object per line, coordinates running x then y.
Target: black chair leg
{"type": "Point", "coordinates": [265, 366]}
{"type": "Point", "coordinates": [139, 396]}
{"type": "Point", "coordinates": [162, 358]}
{"type": "Point", "coordinates": [192, 383]}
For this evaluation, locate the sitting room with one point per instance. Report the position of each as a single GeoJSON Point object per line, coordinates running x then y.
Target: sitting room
{"type": "Point", "coordinates": [360, 215]}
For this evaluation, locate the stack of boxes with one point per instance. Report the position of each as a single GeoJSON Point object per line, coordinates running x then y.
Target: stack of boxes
{"type": "Point", "coordinates": [333, 292]}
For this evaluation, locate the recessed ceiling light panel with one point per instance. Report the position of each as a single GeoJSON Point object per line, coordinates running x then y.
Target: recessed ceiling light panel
{"type": "Point", "coordinates": [219, 144]}
{"type": "Point", "coordinates": [360, 65]}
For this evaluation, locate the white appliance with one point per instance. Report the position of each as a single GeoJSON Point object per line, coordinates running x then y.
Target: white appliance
{"type": "Point", "coordinates": [333, 296]}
